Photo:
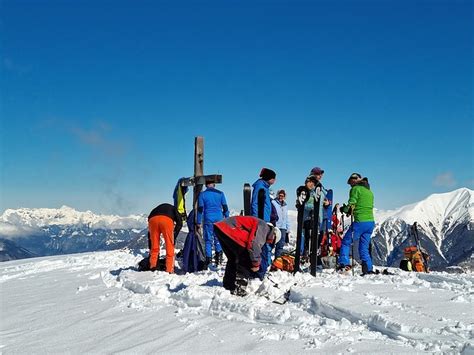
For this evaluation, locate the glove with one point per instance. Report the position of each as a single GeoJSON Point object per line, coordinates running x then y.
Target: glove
{"type": "Point", "coordinates": [343, 208]}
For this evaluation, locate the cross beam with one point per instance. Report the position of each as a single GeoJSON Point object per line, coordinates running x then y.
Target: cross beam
{"type": "Point", "coordinates": [201, 180]}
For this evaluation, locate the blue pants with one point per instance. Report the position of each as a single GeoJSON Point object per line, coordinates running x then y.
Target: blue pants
{"type": "Point", "coordinates": [280, 244]}
{"type": "Point", "coordinates": [210, 239]}
{"type": "Point", "coordinates": [265, 261]}
{"type": "Point", "coordinates": [362, 230]}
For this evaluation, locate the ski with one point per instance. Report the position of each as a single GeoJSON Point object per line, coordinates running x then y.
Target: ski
{"type": "Point", "coordinates": [302, 195]}
{"type": "Point", "coordinates": [418, 245]}
{"type": "Point", "coordinates": [327, 223]}
{"type": "Point", "coordinates": [247, 198]}
{"type": "Point", "coordinates": [315, 232]}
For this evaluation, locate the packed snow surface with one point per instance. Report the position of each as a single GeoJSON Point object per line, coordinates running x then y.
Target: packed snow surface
{"type": "Point", "coordinates": [98, 303]}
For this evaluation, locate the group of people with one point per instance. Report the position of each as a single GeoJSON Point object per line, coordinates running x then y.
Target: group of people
{"type": "Point", "coordinates": [248, 241]}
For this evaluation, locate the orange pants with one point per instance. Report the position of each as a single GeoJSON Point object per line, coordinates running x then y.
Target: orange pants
{"type": "Point", "coordinates": [161, 225]}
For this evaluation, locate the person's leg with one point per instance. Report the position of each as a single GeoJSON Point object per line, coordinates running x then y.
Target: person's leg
{"type": "Point", "coordinates": [230, 252]}
{"type": "Point", "coordinates": [366, 229]}
{"type": "Point", "coordinates": [307, 237]}
{"type": "Point", "coordinates": [167, 226]}
{"type": "Point", "coordinates": [345, 247]}
{"type": "Point", "coordinates": [280, 244]}
{"type": "Point", "coordinates": [154, 241]}
{"type": "Point", "coordinates": [208, 230]}
{"type": "Point", "coordinates": [217, 244]}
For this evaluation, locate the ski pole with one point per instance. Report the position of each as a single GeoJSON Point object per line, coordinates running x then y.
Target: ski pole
{"type": "Point", "coordinates": [352, 241]}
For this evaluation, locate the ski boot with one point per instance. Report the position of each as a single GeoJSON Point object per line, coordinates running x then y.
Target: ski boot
{"type": "Point", "coordinates": [343, 269]}
{"type": "Point", "coordinates": [365, 270]}
{"type": "Point", "coordinates": [207, 262]}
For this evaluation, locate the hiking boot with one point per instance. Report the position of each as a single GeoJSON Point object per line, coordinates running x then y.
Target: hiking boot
{"type": "Point", "coordinates": [241, 292]}
{"type": "Point", "coordinates": [370, 273]}
{"type": "Point", "coordinates": [241, 285]}
{"type": "Point", "coordinates": [365, 268]}
{"type": "Point", "coordinates": [218, 257]}
{"type": "Point", "coordinates": [207, 262]}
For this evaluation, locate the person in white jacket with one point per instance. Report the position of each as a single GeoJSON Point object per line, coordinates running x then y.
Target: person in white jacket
{"type": "Point", "coordinates": [283, 223]}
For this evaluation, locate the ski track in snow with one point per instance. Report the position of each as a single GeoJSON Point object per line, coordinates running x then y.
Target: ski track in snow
{"type": "Point", "coordinates": [410, 312]}
{"type": "Point", "coordinates": [330, 306]}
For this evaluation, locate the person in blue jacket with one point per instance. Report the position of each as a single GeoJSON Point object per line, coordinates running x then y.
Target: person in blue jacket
{"type": "Point", "coordinates": [261, 205]}
{"type": "Point", "coordinates": [212, 207]}
{"type": "Point", "coordinates": [282, 222]}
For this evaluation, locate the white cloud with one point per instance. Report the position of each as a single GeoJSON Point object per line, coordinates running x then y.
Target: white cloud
{"type": "Point", "coordinates": [445, 180]}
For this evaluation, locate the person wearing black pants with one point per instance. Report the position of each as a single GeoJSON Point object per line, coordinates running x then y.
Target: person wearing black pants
{"type": "Point", "coordinates": [245, 241]}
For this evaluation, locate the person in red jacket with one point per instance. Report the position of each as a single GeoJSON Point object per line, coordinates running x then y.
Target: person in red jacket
{"type": "Point", "coordinates": [336, 240]}
{"type": "Point", "coordinates": [163, 220]}
{"type": "Point", "coordinates": [243, 240]}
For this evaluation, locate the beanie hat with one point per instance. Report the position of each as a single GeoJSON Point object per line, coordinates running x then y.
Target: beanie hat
{"type": "Point", "coordinates": [267, 174]}
{"type": "Point", "coordinates": [354, 176]}
{"type": "Point", "coordinates": [312, 179]}
{"type": "Point", "coordinates": [316, 171]}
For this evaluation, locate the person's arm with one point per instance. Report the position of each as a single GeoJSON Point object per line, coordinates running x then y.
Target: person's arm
{"type": "Point", "coordinates": [353, 198]}
{"type": "Point", "coordinates": [225, 208]}
{"type": "Point", "coordinates": [261, 204]}
{"type": "Point", "coordinates": [258, 231]}
{"type": "Point", "coordinates": [354, 195]}
{"type": "Point", "coordinates": [200, 208]}
{"type": "Point", "coordinates": [179, 224]}
{"type": "Point", "coordinates": [287, 220]}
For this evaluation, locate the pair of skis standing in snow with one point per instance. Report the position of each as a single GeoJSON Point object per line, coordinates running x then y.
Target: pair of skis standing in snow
{"type": "Point", "coordinates": [314, 205]}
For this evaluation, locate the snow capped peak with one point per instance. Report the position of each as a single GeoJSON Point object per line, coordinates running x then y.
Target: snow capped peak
{"type": "Point", "coordinates": [44, 217]}
{"type": "Point", "coordinates": [445, 222]}
{"type": "Point", "coordinates": [435, 209]}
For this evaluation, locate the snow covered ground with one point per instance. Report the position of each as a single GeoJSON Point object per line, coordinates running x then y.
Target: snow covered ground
{"type": "Point", "coordinates": [97, 303]}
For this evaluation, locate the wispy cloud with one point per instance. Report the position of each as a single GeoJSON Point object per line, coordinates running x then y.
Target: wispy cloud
{"type": "Point", "coordinates": [446, 179]}
{"type": "Point", "coordinates": [98, 138]}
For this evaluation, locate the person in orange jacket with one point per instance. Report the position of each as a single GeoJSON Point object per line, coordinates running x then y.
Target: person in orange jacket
{"type": "Point", "coordinates": [163, 220]}
{"type": "Point", "coordinates": [244, 240]}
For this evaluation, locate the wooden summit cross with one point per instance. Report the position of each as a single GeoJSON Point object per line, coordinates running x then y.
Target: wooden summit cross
{"type": "Point", "coordinates": [199, 179]}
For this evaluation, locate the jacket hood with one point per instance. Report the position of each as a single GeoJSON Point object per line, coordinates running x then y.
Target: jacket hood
{"type": "Point", "coordinates": [364, 182]}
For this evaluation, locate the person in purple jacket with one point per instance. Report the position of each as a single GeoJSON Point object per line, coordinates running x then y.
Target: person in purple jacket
{"type": "Point", "coordinates": [212, 207]}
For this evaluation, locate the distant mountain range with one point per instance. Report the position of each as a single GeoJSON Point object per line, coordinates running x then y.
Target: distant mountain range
{"type": "Point", "coordinates": [45, 231]}
{"type": "Point", "coordinates": [445, 225]}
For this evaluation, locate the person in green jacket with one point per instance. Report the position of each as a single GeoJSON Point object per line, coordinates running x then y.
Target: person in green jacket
{"type": "Point", "coordinates": [361, 205]}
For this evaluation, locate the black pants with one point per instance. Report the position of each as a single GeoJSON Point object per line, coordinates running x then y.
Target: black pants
{"type": "Point", "coordinates": [238, 260]}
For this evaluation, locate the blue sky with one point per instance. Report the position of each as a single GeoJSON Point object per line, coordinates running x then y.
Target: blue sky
{"type": "Point", "coordinates": [101, 100]}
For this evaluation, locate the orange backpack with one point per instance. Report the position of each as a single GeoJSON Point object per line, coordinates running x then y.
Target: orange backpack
{"type": "Point", "coordinates": [285, 262]}
{"type": "Point", "coordinates": [416, 258]}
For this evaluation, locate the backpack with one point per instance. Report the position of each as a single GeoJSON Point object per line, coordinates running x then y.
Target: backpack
{"type": "Point", "coordinates": [284, 262]}
{"type": "Point", "coordinates": [413, 260]}
{"type": "Point", "coordinates": [144, 265]}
